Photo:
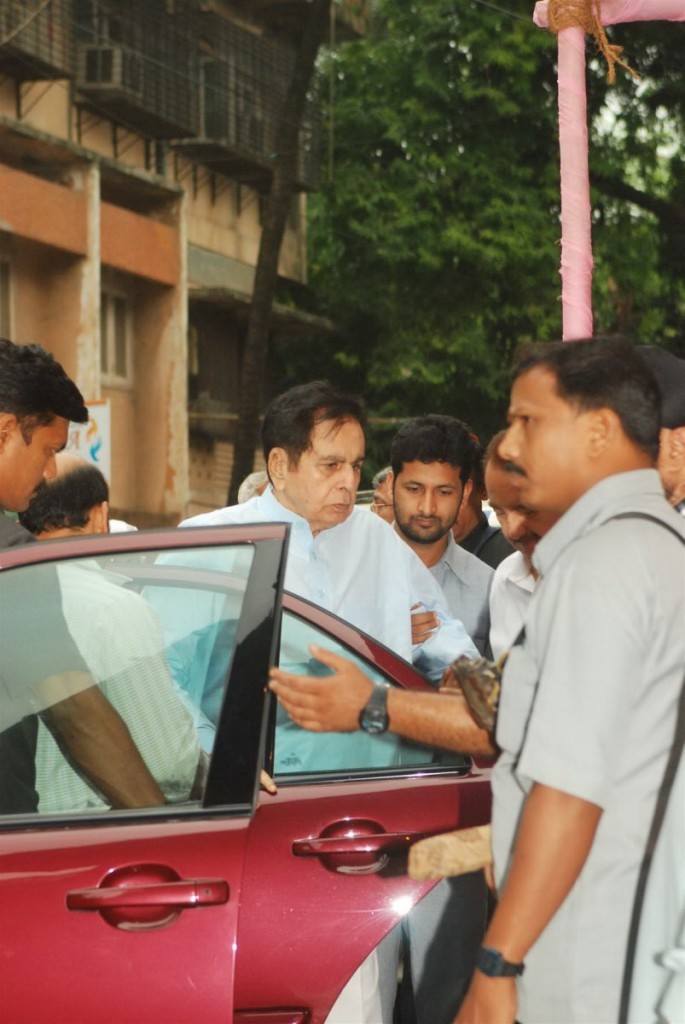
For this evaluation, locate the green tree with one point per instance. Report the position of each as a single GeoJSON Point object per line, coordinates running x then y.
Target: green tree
{"type": "Point", "coordinates": [434, 245]}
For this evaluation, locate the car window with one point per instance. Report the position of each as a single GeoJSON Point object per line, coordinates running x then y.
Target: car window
{"type": "Point", "coordinates": [156, 639]}
{"type": "Point", "coordinates": [298, 751]}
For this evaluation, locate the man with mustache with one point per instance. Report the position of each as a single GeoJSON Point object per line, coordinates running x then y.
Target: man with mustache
{"type": "Point", "coordinates": [588, 701]}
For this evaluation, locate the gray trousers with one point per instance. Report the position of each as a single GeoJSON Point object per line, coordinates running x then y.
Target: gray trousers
{"type": "Point", "coordinates": [444, 932]}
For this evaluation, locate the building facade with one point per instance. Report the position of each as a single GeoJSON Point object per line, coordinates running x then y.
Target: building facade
{"type": "Point", "coordinates": [135, 145]}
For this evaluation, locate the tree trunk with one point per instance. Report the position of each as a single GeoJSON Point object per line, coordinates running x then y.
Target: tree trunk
{"type": "Point", "coordinates": [266, 272]}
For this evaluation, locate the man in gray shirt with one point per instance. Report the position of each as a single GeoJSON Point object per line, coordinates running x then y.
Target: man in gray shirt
{"type": "Point", "coordinates": [432, 458]}
{"type": "Point", "coordinates": [589, 698]}
{"type": "Point", "coordinates": [588, 705]}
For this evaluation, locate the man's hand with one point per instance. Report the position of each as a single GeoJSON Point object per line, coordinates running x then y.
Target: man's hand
{"type": "Point", "coordinates": [489, 1001]}
{"type": "Point", "coordinates": [267, 783]}
{"type": "Point", "coordinates": [423, 624]}
{"type": "Point", "coordinates": [328, 704]}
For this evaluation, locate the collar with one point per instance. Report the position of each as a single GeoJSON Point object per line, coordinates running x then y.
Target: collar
{"type": "Point", "coordinates": [269, 506]}
{"type": "Point", "coordinates": [637, 490]}
{"type": "Point", "coordinates": [452, 558]}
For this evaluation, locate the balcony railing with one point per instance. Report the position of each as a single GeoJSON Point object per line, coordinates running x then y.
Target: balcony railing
{"type": "Point", "coordinates": [135, 61]}
{"type": "Point", "coordinates": [170, 70]}
{"type": "Point", "coordinates": [39, 42]}
{"type": "Point", "coordinates": [243, 80]}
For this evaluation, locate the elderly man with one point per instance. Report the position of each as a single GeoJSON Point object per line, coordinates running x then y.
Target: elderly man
{"type": "Point", "coordinates": [37, 401]}
{"type": "Point", "coordinates": [122, 642]}
{"type": "Point", "coordinates": [381, 502]}
{"type": "Point", "coordinates": [589, 696]}
{"type": "Point", "coordinates": [349, 562]}
{"type": "Point", "coordinates": [340, 557]}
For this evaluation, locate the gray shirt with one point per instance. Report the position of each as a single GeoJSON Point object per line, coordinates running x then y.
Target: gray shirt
{"type": "Point", "coordinates": [588, 708]}
{"type": "Point", "coordinates": [465, 581]}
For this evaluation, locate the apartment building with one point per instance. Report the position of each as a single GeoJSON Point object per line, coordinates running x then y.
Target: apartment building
{"type": "Point", "coordinates": [136, 138]}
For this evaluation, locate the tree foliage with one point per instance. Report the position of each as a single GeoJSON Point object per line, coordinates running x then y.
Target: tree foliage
{"type": "Point", "coordinates": [435, 244]}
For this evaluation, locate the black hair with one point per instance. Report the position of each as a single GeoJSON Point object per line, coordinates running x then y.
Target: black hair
{"type": "Point", "coordinates": [35, 388]}
{"type": "Point", "coordinates": [291, 418]}
{"type": "Point", "coordinates": [65, 501]}
{"type": "Point", "coordinates": [434, 438]}
{"type": "Point", "coordinates": [604, 373]}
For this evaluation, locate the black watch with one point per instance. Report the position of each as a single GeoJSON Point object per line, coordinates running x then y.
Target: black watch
{"type": "Point", "coordinates": [374, 716]}
{"type": "Point", "coordinates": [491, 962]}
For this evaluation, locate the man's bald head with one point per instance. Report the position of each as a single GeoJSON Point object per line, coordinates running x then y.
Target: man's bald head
{"type": "Point", "coordinates": [74, 501]}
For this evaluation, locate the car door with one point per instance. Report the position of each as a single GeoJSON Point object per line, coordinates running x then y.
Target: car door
{"type": "Point", "coordinates": [325, 873]}
{"type": "Point", "coordinates": [120, 914]}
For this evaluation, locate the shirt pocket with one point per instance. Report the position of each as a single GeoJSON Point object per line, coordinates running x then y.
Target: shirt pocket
{"type": "Point", "coordinates": [517, 695]}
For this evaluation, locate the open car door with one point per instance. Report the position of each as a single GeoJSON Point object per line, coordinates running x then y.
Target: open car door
{"type": "Point", "coordinates": [125, 914]}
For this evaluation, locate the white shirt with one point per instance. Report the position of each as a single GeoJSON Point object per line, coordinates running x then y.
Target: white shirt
{"type": "Point", "coordinates": [363, 572]}
{"type": "Point", "coordinates": [510, 594]}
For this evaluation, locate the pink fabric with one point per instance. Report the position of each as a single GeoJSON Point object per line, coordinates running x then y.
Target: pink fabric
{"type": "Point", "coordinates": [576, 236]}
{"type": "Point", "coordinates": [615, 12]}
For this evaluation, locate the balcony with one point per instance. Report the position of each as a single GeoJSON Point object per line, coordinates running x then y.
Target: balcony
{"type": "Point", "coordinates": [135, 63]}
{"type": "Point", "coordinates": [43, 47]}
{"type": "Point", "coordinates": [287, 16]}
{"type": "Point", "coordinates": [243, 79]}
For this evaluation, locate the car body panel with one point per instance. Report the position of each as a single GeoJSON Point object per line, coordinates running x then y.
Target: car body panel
{"type": "Point", "coordinates": [251, 907]}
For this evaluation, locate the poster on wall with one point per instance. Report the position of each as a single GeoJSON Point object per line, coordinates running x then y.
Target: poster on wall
{"type": "Point", "coordinates": [92, 440]}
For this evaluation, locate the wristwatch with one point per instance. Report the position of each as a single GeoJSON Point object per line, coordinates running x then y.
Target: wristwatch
{"type": "Point", "coordinates": [374, 716]}
{"type": "Point", "coordinates": [491, 962]}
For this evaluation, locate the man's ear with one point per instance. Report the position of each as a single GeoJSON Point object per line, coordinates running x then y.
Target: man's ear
{"type": "Point", "coordinates": [604, 426]}
{"type": "Point", "coordinates": [277, 465]}
{"type": "Point", "coordinates": [98, 518]}
{"type": "Point", "coordinates": [8, 424]}
{"type": "Point", "coordinates": [466, 493]}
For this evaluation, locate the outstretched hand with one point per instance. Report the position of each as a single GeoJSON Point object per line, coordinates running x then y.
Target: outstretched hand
{"type": "Point", "coordinates": [323, 704]}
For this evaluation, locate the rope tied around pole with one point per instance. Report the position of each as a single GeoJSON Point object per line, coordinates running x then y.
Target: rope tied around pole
{"type": "Point", "coordinates": [587, 14]}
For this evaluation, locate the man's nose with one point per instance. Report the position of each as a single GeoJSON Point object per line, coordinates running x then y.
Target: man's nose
{"type": "Point", "coordinates": [50, 471]}
{"type": "Point", "coordinates": [508, 448]}
{"type": "Point", "coordinates": [348, 477]}
{"type": "Point", "coordinates": [427, 503]}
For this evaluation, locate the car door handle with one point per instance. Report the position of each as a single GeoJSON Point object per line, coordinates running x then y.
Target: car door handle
{"type": "Point", "coordinates": [198, 892]}
{"type": "Point", "coordinates": [145, 896]}
{"type": "Point", "coordinates": [355, 847]}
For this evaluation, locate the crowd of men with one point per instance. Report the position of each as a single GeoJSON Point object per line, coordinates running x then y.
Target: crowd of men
{"type": "Point", "coordinates": [580, 582]}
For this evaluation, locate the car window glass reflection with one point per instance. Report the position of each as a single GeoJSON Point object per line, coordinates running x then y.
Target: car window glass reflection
{"type": "Point", "coordinates": [299, 751]}
{"type": "Point", "coordinates": [157, 642]}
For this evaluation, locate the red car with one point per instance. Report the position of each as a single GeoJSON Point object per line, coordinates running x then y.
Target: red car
{"type": "Point", "coordinates": [225, 904]}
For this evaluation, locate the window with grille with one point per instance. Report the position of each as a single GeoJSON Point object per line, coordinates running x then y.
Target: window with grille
{"type": "Point", "coordinates": [116, 356]}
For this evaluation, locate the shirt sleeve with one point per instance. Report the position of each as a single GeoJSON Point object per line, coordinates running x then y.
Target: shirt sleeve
{"type": "Point", "coordinates": [590, 665]}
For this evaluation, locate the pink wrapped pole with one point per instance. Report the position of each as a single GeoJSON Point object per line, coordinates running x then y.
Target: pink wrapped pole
{"type": "Point", "coordinates": [576, 235]}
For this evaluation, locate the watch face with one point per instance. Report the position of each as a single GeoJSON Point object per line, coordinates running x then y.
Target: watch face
{"type": "Point", "coordinates": [374, 717]}
{"type": "Point", "coordinates": [492, 963]}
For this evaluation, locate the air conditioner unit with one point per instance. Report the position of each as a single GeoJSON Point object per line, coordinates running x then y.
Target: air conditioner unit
{"type": "Point", "coordinates": [110, 68]}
